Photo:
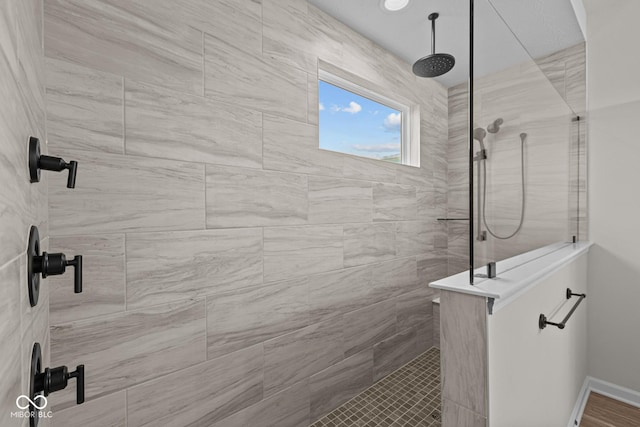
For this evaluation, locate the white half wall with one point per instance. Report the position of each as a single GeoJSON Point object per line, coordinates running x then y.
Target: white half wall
{"type": "Point", "coordinates": [613, 67]}
{"type": "Point", "coordinates": [535, 376]}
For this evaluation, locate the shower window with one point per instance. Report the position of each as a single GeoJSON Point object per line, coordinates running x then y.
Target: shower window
{"type": "Point", "coordinates": [358, 121]}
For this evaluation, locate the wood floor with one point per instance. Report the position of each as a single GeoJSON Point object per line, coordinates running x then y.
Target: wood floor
{"type": "Point", "coordinates": [602, 411]}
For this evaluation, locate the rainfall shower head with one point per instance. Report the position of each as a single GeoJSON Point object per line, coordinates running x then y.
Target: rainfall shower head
{"type": "Point", "coordinates": [436, 64]}
{"type": "Point", "coordinates": [495, 126]}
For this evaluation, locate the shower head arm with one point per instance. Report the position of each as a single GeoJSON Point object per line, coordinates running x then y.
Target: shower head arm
{"type": "Point", "coordinates": [432, 18]}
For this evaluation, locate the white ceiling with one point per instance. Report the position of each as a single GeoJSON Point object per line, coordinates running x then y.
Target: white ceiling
{"type": "Point", "coordinates": [541, 26]}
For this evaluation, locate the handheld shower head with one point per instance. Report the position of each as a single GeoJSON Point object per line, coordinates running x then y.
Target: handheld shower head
{"type": "Point", "coordinates": [495, 126]}
{"type": "Point", "coordinates": [479, 134]}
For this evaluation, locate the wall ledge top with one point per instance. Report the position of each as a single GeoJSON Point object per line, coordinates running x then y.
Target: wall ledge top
{"type": "Point", "coordinates": [516, 274]}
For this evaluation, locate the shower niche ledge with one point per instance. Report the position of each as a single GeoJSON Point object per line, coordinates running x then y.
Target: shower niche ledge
{"type": "Point", "coordinates": [514, 275]}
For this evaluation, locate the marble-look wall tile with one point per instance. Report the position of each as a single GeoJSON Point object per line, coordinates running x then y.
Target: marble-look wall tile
{"type": "Point", "coordinates": [248, 316]}
{"type": "Point", "coordinates": [10, 336]}
{"type": "Point", "coordinates": [228, 384]}
{"type": "Point", "coordinates": [173, 125]}
{"type": "Point", "coordinates": [369, 243]}
{"type": "Point", "coordinates": [365, 327]}
{"type": "Point", "coordinates": [169, 266]}
{"type": "Point", "coordinates": [139, 40]}
{"type": "Point", "coordinates": [298, 251]}
{"type": "Point", "coordinates": [333, 201]}
{"type": "Point", "coordinates": [424, 336]}
{"type": "Point", "coordinates": [237, 22]}
{"type": "Point", "coordinates": [292, 146]}
{"type": "Point", "coordinates": [393, 278]}
{"type": "Point", "coordinates": [235, 77]}
{"type": "Point", "coordinates": [339, 292]}
{"type": "Point", "coordinates": [117, 193]}
{"type": "Point", "coordinates": [296, 356]}
{"type": "Point", "coordinates": [104, 272]}
{"type": "Point", "coordinates": [414, 308]}
{"type": "Point", "coordinates": [84, 108]}
{"type": "Point", "coordinates": [253, 198]}
{"type": "Point", "coordinates": [392, 353]}
{"type": "Point", "coordinates": [106, 411]}
{"type": "Point", "coordinates": [123, 349]}
{"type": "Point", "coordinates": [289, 408]}
{"type": "Point", "coordinates": [454, 415]}
{"type": "Point", "coordinates": [392, 202]}
{"type": "Point", "coordinates": [339, 383]}
{"type": "Point", "coordinates": [368, 169]}
{"type": "Point", "coordinates": [414, 237]}
{"type": "Point", "coordinates": [463, 323]}
{"type": "Point", "coordinates": [436, 325]}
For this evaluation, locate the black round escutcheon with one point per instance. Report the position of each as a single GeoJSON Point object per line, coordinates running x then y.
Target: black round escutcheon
{"type": "Point", "coordinates": [36, 368]}
{"type": "Point", "coordinates": [33, 278]}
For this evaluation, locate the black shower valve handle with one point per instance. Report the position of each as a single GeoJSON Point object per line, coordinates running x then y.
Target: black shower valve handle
{"type": "Point", "coordinates": [56, 379]}
{"type": "Point", "coordinates": [55, 264]}
{"type": "Point", "coordinates": [38, 162]}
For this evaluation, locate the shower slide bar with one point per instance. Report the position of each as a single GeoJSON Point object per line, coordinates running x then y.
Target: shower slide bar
{"type": "Point", "coordinates": [543, 322]}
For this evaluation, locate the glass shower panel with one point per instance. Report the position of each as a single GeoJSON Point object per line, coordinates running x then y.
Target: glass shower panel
{"type": "Point", "coordinates": [526, 135]}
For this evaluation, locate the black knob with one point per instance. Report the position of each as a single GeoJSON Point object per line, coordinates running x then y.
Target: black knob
{"type": "Point", "coordinates": [55, 264]}
{"type": "Point", "coordinates": [39, 162]}
{"type": "Point", "coordinates": [47, 264]}
{"type": "Point", "coordinates": [56, 379]}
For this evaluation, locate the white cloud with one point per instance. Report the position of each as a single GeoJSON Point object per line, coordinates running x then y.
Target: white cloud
{"type": "Point", "coordinates": [393, 121]}
{"type": "Point", "coordinates": [378, 148]}
{"type": "Point", "coordinates": [353, 108]}
{"type": "Point", "coordinates": [321, 106]}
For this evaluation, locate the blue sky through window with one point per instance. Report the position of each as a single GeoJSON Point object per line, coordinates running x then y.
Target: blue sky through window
{"type": "Point", "coordinates": [352, 124]}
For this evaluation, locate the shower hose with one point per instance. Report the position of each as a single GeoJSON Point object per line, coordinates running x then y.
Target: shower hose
{"type": "Point", "coordinates": [523, 136]}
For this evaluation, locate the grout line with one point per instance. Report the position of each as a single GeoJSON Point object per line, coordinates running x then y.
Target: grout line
{"type": "Point", "coordinates": [12, 260]}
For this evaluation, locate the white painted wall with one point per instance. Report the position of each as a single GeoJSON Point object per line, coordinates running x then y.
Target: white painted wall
{"type": "Point", "coordinates": [535, 376]}
{"type": "Point", "coordinates": [613, 70]}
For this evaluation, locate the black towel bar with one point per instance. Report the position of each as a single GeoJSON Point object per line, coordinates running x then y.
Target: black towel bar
{"type": "Point", "coordinates": [543, 322]}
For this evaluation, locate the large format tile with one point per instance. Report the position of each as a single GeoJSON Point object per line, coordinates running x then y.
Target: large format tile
{"type": "Point", "coordinates": [296, 356]}
{"type": "Point", "coordinates": [392, 353]}
{"type": "Point", "coordinates": [124, 349]}
{"type": "Point", "coordinates": [85, 108]}
{"type": "Point", "coordinates": [117, 193]}
{"type": "Point", "coordinates": [334, 201]}
{"type": "Point", "coordinates": [339, 292]}
{"type": "Point", "coordinates": [103, 267]}
{"type": "Point", "coordinates": [368, 243]}
{"type": "Point", "coordinates": [237, 22]}
{"type": "Point", "coordinates": [173, 125]}
{"type": "Point", "coordinates": [200, 395]}
{"type": "Point", "coordinates": [414, 237]}
{"type": "Point", "coordinates": [106, 411]}
{"type": "Point", "coordinates": [249, 316]}
{"type": "Point", "coordinates": [368, 326]}
{"type": "Point", "coordinates": [236, 77]}
{"type": "Point", "coordinates": [252, 198]}
{"type": "Point", "coordinates": [339, 383]}
{"type": "Point", "coordinates": [463, 324]}
{"type": "Point", "coordinates": [298, 251]}
{"type": "Point", "coordinates": [414, 308]}
{"type": "Point", "coordinates": [393, 202]}
{"type": "Point", "coordinates": [292, 146]}
{"type": "Point", "coordinates": [10, 336]}
{"type": "Point", "coordinates": [289, 408]}
{"type": "Point", "coordinates": [454, 415]}
{"type": "Point", "coordinates": [393, 278]}
{"type": "Point", "coordinates": [168, 266]}
{"type": "Point", "coordinates": [140, 40]}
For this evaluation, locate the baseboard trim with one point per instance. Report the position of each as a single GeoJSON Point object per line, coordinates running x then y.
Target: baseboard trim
{"type": "Point", "coordinates": [605, 388]}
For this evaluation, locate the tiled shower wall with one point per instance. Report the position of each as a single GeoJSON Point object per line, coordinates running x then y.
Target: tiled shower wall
{"type": "Point", "coordinates": [235, 274]}
{"type": "Point", "coordinates": [539, 98]}
{"type": "Point", "coordinates": [22, 204]}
